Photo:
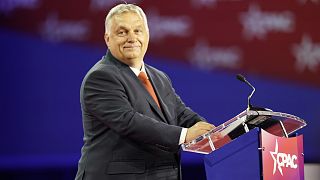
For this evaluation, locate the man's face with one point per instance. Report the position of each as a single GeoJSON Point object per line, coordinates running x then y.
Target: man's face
{"type": "Point", "coordinates": [127, 38]}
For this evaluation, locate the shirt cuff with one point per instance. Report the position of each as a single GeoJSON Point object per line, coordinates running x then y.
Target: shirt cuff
{"type": "Point", "coordinates": [183, 135]}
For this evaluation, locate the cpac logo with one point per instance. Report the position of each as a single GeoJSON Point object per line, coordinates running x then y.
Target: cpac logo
{"type": "Point", "coordinates": [281, 160]}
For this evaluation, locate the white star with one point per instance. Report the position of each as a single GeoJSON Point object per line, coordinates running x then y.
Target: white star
{"type": "Point", "coordinates": [251, 22]}
{"type": "Point", "coordinates": [274, 157]}
{"type": "Point", "coordinates": [307, 54]}
{"type": "Point", "coordinates": [257, 23]}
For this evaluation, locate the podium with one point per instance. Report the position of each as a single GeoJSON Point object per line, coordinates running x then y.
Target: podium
{"type": "Point", "coordinates": [255, 144]}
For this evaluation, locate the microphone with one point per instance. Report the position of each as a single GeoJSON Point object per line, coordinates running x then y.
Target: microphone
{"type": "Point", "coordinates": [243, 79]}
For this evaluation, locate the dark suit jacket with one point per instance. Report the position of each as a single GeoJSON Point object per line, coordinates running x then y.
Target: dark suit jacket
{"type": "Point", "coordinates": [124, 130]}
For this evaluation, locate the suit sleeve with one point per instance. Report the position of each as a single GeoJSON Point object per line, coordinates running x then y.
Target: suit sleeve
{"type": "Point", "coordinates": [104, 97]}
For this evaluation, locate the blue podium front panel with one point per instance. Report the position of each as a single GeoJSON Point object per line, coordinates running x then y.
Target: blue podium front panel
{"type": "Point", "coordinates": [240, 159]}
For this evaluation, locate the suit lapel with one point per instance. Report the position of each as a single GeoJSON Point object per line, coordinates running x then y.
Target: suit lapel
{"type": "Point", "coordinates": [150, 99]}
{"type": "Point", "coordinates": [127, 69]}
{"type": "Point", "coordinates": [157, 88]}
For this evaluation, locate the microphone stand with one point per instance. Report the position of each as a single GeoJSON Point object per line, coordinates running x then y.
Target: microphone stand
{"type": "Point", "coordinates": [250, 107]}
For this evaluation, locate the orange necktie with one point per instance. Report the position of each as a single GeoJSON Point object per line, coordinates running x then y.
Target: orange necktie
{"type": "Point", "coordinates": [145, 81]}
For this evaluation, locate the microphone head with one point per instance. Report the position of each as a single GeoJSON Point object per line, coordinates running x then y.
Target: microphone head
{"type": "Point", "coordinates": [240, 77]}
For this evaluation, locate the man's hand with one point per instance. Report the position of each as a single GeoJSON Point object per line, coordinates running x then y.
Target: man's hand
{"type": "Point", "coordinates": [198, 129]}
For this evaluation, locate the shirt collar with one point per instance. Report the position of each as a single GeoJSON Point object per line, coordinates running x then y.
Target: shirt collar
{"type": "Point", "coordinates": [137, 71]}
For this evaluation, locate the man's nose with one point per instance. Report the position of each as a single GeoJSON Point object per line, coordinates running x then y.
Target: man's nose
{"type": "Point", "coordinates": [132, 37]}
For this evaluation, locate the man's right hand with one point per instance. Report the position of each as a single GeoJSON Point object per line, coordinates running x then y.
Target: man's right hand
{"type": "Point", "coordinates": [198, 129]}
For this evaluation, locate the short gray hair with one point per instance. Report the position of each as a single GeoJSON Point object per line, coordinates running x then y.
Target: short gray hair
{"type": "Point", "coordinates": [123, 8]}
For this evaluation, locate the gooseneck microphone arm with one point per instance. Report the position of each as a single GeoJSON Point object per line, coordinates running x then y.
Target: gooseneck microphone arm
{"type": "Point", "coordinates": [243, 79]}
{"type": "Point", "coordinates": [250, 107]}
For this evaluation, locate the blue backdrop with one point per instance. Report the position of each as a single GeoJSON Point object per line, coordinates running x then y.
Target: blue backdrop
{"type": "Point", "coordinates": [41, 129]}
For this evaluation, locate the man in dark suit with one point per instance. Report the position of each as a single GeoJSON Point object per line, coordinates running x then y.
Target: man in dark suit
{"type": "Point", "coordinates": [133, 120]}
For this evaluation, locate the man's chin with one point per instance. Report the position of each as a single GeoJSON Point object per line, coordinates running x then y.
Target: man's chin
{"type": "Point", "coordinates": [131, 56]}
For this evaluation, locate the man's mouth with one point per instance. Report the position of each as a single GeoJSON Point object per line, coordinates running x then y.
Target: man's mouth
{"type": "Point", "coordinates": [130, 47]}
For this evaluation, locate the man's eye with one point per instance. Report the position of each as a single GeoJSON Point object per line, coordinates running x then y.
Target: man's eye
{"type": "Point", "coordinates": [121, 33]}
{"type": "Point", "coordinates": [138, 31]}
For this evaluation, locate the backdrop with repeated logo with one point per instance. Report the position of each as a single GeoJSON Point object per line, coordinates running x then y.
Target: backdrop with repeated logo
{"type": "Point", "coordinates": [269, 38]}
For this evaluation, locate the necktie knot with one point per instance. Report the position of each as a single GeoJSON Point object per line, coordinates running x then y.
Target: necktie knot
{"type": "Point", "coordinates": [143, 77]}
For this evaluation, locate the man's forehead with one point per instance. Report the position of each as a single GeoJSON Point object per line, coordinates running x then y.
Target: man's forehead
{"type": "Point", "coordinates": [127, 17]}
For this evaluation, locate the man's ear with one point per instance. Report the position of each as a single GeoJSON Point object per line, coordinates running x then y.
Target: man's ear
{"type": "Point", "coordinates": [106, 39]}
